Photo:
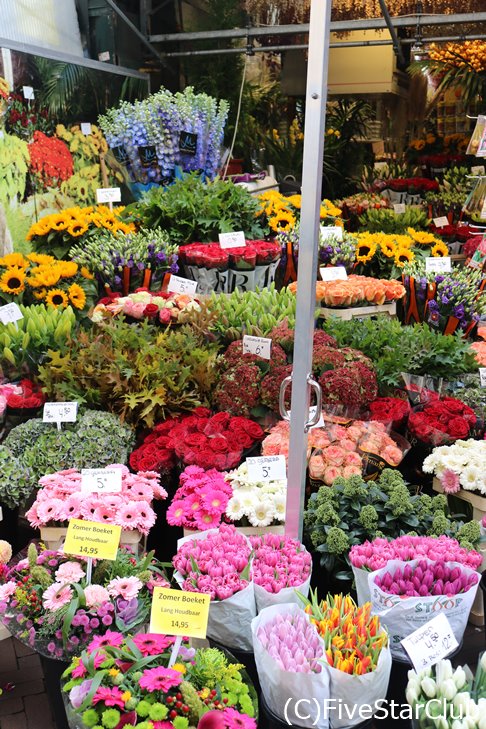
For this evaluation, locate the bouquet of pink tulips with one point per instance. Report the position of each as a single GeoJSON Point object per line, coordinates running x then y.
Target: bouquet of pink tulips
{"type": "Point", "coordinates": [426, 578]}
{"type": "Point", "coordinates": [293, 642]}
{"type": "Point", "coordinates": [280, 566]}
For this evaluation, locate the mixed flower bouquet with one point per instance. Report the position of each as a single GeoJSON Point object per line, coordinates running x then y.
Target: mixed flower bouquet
{"type": "Point", "coordinates": [445, 694]}
{"type": "Point", "coordinates": [442, 421]}
{"type": "Point", "coordinates": [60, 498]}
{"type": "Point", "coordinates": [460, 465]}
{"type": "Point", "coordinates": [118, 682]}
{"type": "Point", "coordinates": [158, 307]}
{"type": "Point", "coordinates": [48, 603]}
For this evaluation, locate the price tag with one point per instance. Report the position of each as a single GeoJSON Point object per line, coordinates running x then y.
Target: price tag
{"type": "Point", "coordinates": [28, 92]}
{"type": "Point", "coordinates": [188, 143]}
{"type": "Point", "coordinates": [60, 412]}
{"type": "Point", "coordinates": [232, 240]}
{"type": "Point", "coordinates": [175, 612]}
{"type": "Point", "coordinates": [431, 643]}
{"type": "Point", "coordinates": [438, 264]}
{"type": "Point", "coordinates": [86, 128]}
{"type": "Point", "coordinates": [10, 313]}
{"type": "Point", "coordinates": [267, 468]}
{"type": "Point", "coordinates": [178, 285]}
{"type": "Point", "coordinates": [257, 345]}
{"type": "Point", "coordinates": [331, 230]}
{"type": "Point", "coordinates": [333, 273]}
{"type": "Point", "coordinates": [92, 539]}
{"type": "Point", "coordinates": [399, 208]}
{"type": "Point", "coordinates": [105, 56]}
{"type": "Point", "coordinates": [441, 222]}
{"type": "Point", "coordinates": [101, 480]}
{"type": "Point", "coordinates": [479, 170]}
{"type": "Point", "coordinates": [108, 194]}
{"type": "Point", "coordinates": [482, 376]}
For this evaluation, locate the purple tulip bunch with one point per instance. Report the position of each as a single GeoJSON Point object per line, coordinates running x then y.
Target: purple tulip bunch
{"type": "Point", "coordinates": [293, 642]}
{"type": "Point", "coordinates": [426, 579]}
{"type": "Point", "coordinates": [279, 562]}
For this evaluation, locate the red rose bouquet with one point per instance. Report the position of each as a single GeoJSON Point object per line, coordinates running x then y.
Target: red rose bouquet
{"type": "Point", "coordinates": [392, 411]}
{"type": "Point", "coordinates": [442, 421]}
{"type": "Point", "coordinates": [26, 396]}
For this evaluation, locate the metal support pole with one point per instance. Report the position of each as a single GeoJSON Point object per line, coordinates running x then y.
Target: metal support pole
{"type": "Point", "coordinates": [315, 120]}
{"type": "Point", "coordinates": [134, 28]}
{"type": "Point", "coordinates": [389, 24]}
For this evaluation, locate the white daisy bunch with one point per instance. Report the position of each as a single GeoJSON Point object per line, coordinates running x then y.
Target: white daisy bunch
{"type": "Point", "coordinates": [261, 503]}
{"type": "Point", "coordinates": [460, 465]}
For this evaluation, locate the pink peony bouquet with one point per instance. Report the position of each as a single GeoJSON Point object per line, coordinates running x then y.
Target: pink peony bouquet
{"type": "Point", "coordinates": [200, 501]}
{"type": "Point", "coordinates": [293, 642]}
{"type": "Point", "coordinates": [60, 498]}
{"type": "Point", "coordinates": [426, 578]}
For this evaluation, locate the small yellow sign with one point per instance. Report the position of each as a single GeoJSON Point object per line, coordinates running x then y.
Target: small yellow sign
{"type": "Point", "coordinates": [92, 539]}
{"type": "Point", "coordinates": [175, 612]}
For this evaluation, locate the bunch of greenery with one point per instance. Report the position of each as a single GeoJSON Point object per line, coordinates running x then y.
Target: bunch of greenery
{"type": "Point", "coordinates": [35, 448]}
{"type": "Point", "coordinates": [383, 220]}
{"type": "Point", "coordinates": [454, 189]}
{"type": "Point", "coordinates": [192, 210]}
{"type": "Point", "coordinates": [139, 372]}
{"type": "Point", "coordinates": [352, 511]}
{"type": "Point", "coordinates": [14, 157]}
{"type": "Point", "coordinates": [15, 479]}
{"type": "Point", "coordinates": [394, 349]}
{"type": "Point", "coordinates": [467, 388]}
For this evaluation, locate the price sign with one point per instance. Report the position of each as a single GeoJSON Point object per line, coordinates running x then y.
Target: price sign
{"type": "Point", "coordinates": [175, 612]}
{"type": "Point", "coordinates": [108, 194]}
{"type": "Point", "coordinates": [92, 539]}
{"type": "Point", "coordinates": [482, 376]}
{"type": "Point", "coordinates": [28, 92]}
{"type": "Point", "coordinates": [60, 412]}
{"type": "Point", "coordinates": [438, 264]}
{"type": "Point", "coordinates": [178, 285]}
{"type": "Point", "coordinates": [267, 468]}
{"type": "Point", "coordinates": [232, 240]}
{"type": "Point", "coordinates": [431, 643]}
{"type": "Point", "coordinates": [327, 231]}
{"type": "Point", "coordinates": [399, 208]}
{"type": "Point", "coordinates": [104, 56]}
{"type": "Point", "coordinates": [101, 480]}
{"type": "Point", "coordinates": [10, 313]}
{"type": "Point", "coordinates": [478, 170]}
{"type": "Point", "coordinates": [257, 345]}
{"type": "Point", "coordinates": [333, 273]}
{"type": "Point", "coordinates": [86, 128]}
{"type": "Point", "coordinates": [441, 222]}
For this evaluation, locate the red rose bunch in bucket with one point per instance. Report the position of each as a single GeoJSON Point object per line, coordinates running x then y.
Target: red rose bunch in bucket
{"type": "Point", "coordinates": [392, 411]}
{"type": "Point", "coordinates": [442, 421]}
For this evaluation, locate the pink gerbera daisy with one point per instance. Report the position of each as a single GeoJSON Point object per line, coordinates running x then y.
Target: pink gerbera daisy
{"type": "Point", "coordinates": [56, 596]}
{"type": "Point", "coordinates": [69, 572]}
{"type": "Point", "coordinates": [450, 481]}
{"type": "Point", "coordinates": [152, 644]}
{"type": "Point", "coordinates": [89, 506]}
{"type": "Point", "coordinates": [176, 513]}
{"type": "Point", "coordinates": [145, 517]}
{"type": "Point", "coordinates": [125, 587]}
{"type": "Point", "coordinates": [102, 513]}
{"type": "Point", "coordinates": [51, 510]}
{"type": "Point", "coordinates": [160, 679]}
{"type": "Point", "coordinates": [109, 696]}
{"type": "Point", "coordinates": [214, 501]}
{"type": "Point", "coordinates": [235, 720]}
{"type": "Point", "coordinates": [127, 515]}
{"type": "Point", "coordinates": [72, 506]}
{"type": "Point", "coordinates": [206, 520]}
{"type": "Point", "coordinates": [110, 638]}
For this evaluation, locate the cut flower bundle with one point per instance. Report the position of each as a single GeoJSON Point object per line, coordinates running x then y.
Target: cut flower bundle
{"type": "Point", "coordinates": [426, 578]}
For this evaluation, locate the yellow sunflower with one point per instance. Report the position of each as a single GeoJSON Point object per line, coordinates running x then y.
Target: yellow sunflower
{"type": "Point", "coordinates": [365, 250]}
{"type": "Point", "coordinates": [295, 200]}
{"type": "Point", "coordinates": [77, 297]}
{"type": "Point", "coordinates": [57, 298]}
{"type": "Point", "coordinates": [61, 223]}
{"type": "Point", "coordinates": [403, 256]}
{"type": "Point", "coordinates": [44, 276]}
{"type": "Point", "coordinates": [77, 229]}
{"type": "Point", "coordinates": [421, 237]}
{"type": "Point", "coordinates": [282, 221]}
{"type": "Point", "coordinates": [67, 269]}
{"type": "Point", "coordinates": [14, 260]}
{"type": "Point", "coordinates": [86, 274]}
{"type": "Point", "coordinates": [40, 294]}
{"type": "Point", "coordinates": [388, 248]}
{"type": "Point", "coordinates": [12, 281]}
{"type": "Point", "coordinates": [41, 258]}
{"type": "Point", "coordinates": [440, 249]}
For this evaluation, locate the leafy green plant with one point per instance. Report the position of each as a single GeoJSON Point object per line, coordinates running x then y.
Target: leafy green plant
{"type": "Point", "coordinates": [395, 349]}
{"type": "Point", "coordinates": [14, 157]}
{"type": "Point", "coordinates": [352, 511]}
{"type": "Point", "coordinates": [15, 479]}
{"type": "Point", "coordinates": [383, 220]}
{"type": "Point", "coordinates": [139, 372]}
{"type": "Point", "coordinates": [192, 210]}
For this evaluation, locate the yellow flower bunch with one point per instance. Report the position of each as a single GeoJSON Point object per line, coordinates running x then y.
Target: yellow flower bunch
{"type": "Point", "coordinates": [295, 133]}
{"type": "Point", "coordinates": [470, 54]}
{"type": "Point", "coordinates": [83, 147]}
{"type": "Point", "coordinates": [76, 221]}
{"type": "Point", "coordinates": [422, 238]}
{"type": "Point", "coordinates": [385, 251]}
{"type": "Point", "coordinates": [4, 88]}
{"type": "Point", "coordinates": [283, 213]}
{"type": "Point", "coordinates": [333, 133]}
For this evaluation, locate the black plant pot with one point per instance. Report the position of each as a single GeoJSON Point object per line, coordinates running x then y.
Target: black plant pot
{"type": "Point", "coordinates": [53, 671]}
{"type": "Point", "coordinates": [269, 720]}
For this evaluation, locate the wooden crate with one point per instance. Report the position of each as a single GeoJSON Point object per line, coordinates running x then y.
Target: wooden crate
{"type": "Point", "coordinates": [359, 312]}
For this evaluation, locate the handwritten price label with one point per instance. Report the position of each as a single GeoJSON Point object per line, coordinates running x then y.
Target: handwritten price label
{"type": "Point", "coordinates": [92, 539]}
{"type": "Point", "coordinates": [266, 468]}
{"type": "Point", "coordinates": [175, 612]}
{"type": "Point", "coordinates": [257, 345]}
{"type": "Point", "coordinates": [441, 222]}
{"type": "Point", "coordinates": [10, 313]}
{"type": "Point", "coordinates": [333, 273]}
{"type": "Point", "coordinates": [482, 376]}
{"type": "Point", "coordinates": [28, 92]}
{"type": "Point", "coordinates": [108, 194]}
{"type": "Point", "coordinates": [86, 128]}
{"type": "Point", "coordinates": [431, 643]}
{"type": "Point", "coordinates": [60, 412]}
{"type": "Point", "coordinates": [178, 285]}
{"type": "Point", "coordinates": [399, 208]}
{"type": "Point", "coordinates": [328, 231]}
{"type": "Point", "coordinates": [101, 480]}
{"type": "Point", "coordinates": [438, 264]}
{"type": "Point", "coordinates": [232, 240]}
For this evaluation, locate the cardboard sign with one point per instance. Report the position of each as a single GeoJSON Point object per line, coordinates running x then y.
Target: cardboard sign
{"type": "Point", "coordinates": [104, 56]}
{"type": "Point", "coordinates": [28, 92]}
{"type": "Point", "coordinates": [60, 412]}
{"type": "Point", "coordinates": [10, 313]}
{"type": "Point", "coordinates": [441, 222]}
{"type": "Point", "coordinates": [478, 170]}
{"type": "Point", "coordinates": [438, 264]}
{"type": "Point", "coordinates": [232, 240]}
{"type": "Point", "coordinates": [261, 346]}
{"type": "Point", "coordinates": [86, 128]}
{"type": "Point", "coordinates": [92, 539]}
{"type": "Point", "coordinates": [267, 468]}
{"type": "Point", "coordinates": [399, 208]}
{"type": "Point", "coordinates": [108, 194]}
{"type": "Point", "coordinates": [178, 285]}
{"type": "Point", "coordinates": [328, 231]}
{"type": "Point", "coordinates": [175, 612]}
{"type": "Point", "coordinates": [333, 273]}
{"type": "Point", "coordinates": [430, 643]}
{"type": "Point", "coordinates": [101, 480]}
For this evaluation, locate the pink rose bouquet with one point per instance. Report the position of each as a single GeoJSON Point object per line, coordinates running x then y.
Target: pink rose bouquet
{"type": "Point", "coordinates": [200, 501]}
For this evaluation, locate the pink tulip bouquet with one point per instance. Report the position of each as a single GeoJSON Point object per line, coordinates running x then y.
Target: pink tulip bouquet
{"type": "Point", "coordinates": [280, 566]}
{"type": "Point", "coordinates": [293, 642]}
{"type": "Point", "coordinates": [425, 579]}
{"type": "Point", "coordinates": [60, 498]}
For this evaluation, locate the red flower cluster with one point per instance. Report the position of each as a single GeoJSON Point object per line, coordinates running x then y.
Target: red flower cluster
{"type": "Point", "coordinates": [31, 396]}
{"type": "Point", "coordinates": [211, 255]}
{"type": "Point", "coordinates": [352, 387]}
{"type": "Point", "coordinates": [50, 160]}
{"type": "Point", "coordinates": [201, 439]}
{"type": "Point", "coordinates": [471, 246]}
{"type": "Point", "coordinates": [24, 117]}
{"type": "Point", "coordinates": [456, 232]}
{"type": "Point", "coordinates": [413, 184]}
{"type": "Point", "coordinates": [442, 421]}
{"type": "Point", "coordinates": [390, 410]}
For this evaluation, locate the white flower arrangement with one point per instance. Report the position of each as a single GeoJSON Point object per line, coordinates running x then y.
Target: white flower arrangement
{"type": "Point", "coordinates": [460, 465]}
{"type": "Point", "coordinates": [260, 502]}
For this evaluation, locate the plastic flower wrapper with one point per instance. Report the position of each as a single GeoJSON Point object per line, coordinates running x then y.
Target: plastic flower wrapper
{"type": "Point", "coordinates": [217, 562]}
{"type": "Point", "coordinates": [422, 388]}
{"type": "Point", "coordinates": [47, 603]}
{"type": "Point", "coordinates": [120, 682]}
{"type": "Point", "coordinates": [441, 422]}
{"type": "Point", "coordinates": [391, 411]}
{"type": "Point", "coordinates": [380, 449]}
{"type": "Point", "coordinates": [460, 465]}
{"type": "Point", "coordinates": [242, 269]}
{"type": "Point", "coordinates": [281, 565]}
{"type": "Point", "coordinates": [402, 613]}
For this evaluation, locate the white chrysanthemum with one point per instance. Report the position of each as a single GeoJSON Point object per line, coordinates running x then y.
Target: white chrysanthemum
{"type": "Point", "coordinates": [470, 477]}
{"type": "Point", "coordinates": [234, 509]}
{"type": "Point", "coordinates": [248, 498]}
{"type": "Point", "coordinates": [263, 514]}
{"type": "Point", "coordinates": [429, 464]}
{"type": "Point", "coordinates": [279, 504]}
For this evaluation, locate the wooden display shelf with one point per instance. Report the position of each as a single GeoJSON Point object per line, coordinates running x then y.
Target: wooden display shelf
{"type": "Point", "coordinates": [359, 312]}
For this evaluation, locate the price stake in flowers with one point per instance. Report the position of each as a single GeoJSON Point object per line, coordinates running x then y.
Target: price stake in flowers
{"type": "Point", "coordinates": [60, 412]}
{"type": "Point", "coordinates": [232, 240]}
{"type": "Point", "coordinates": [179, 613]}
{"type": "Point", "coordinates": [101, 480]}
{"type": "Point", "coordinates": [430, 643]}
{"type": "Point", "coordinates": [260, 346]}
{"type": "Point", "coordinates": [179, 285]}
{"type": "Point", "coordinates": [10, 313]}
{"type": "Point", "coordinates": [482, 376]}
{"type": "Point", "coordinates": [266, 468]}
{"type": "Point", "coordinates": [92, 539]}
{"type": "Point", "coordinates": [438, 264]}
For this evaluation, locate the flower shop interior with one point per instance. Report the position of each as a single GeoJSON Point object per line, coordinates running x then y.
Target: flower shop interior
{"type": "Point", "coordinates": [243, 364]}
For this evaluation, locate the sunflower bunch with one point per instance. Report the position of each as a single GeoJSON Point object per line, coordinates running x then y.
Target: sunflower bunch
{"type": "Point", "coordinates": [281, 214]}
{"type": "Point", "coordinates": [385, 255]}
{"type": "Point", "coordinates": [86, 151]}
{"type": "Point", "coordinates": [56, 234]}
{"type": "Point", "coordinates": [40, 278]}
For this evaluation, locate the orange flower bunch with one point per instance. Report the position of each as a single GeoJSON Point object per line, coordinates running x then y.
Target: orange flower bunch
{"type": "Point", "coordinates": [50, 160]}
{"type": "Point", "coordinates": [353, 638]}
{"type": "Point", "coordinates": [356, 290]}
{"type": "Point", "coordinates": [459, 55]}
